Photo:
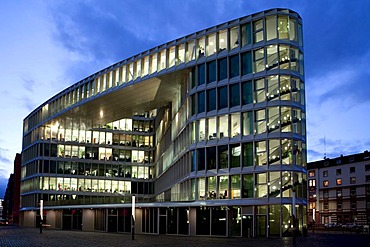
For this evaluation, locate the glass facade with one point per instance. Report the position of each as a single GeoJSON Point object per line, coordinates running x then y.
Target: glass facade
{"type": "Point", "coordinates": [214, 119]}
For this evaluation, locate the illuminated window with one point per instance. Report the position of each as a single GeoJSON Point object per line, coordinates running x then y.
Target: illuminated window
{"type": "Point", "coordinates": [311, 173]}
{"type": "Point", "coordinates": [326, 183]}
{"type": "Point", "coordinates": [352, 180]}
{"type": "Point", "coordinates": [339, 181]}
{"type": "Point", "coordinates": [339, 193]}
{"type": "Point", "coordinates": [312, 183]}
{"type": "Point", "coordinates": [258, 31]}
{"type": "Point", "coordinates": [312, 205]}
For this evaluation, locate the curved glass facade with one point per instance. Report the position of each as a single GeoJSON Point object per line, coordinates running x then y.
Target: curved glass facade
{"type": "Point", "coordinates": [207, 131]}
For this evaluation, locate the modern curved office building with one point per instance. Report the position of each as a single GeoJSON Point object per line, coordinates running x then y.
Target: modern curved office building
{"type": "Point", "coordinates": [206, 131]}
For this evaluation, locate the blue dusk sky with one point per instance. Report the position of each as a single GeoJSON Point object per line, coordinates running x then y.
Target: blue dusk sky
{"type": "Point", "coordinates": [46, 46]}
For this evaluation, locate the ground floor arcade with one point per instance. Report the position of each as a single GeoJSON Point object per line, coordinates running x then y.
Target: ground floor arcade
{"type": "Point", "coordinates": [227, 221]}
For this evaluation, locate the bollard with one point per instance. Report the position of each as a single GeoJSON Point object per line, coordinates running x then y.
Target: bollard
{"type": "Point", "coordinates": [40, 227]}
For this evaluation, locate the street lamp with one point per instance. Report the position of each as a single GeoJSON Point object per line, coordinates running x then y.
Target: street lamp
{"type": "Point", "coordinates": [133, 218]}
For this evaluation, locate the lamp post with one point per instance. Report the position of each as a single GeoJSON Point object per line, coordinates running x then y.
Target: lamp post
{"type": "Point", "coordinates": [313, 219]}
{"type": "Point", "coordinates": [41, 214]}
{"type": "Point", "coordinates": [133, 218]}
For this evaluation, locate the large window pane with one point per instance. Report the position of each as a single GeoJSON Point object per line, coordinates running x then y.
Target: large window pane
{"type": "Point", "coordinates": [271, 27]}
{"type": "Point", "coordinates": [202, 129]}
{"type": "Point", "coordinates": [235, 151]}
{"type": "Point", "coordinates": [283, 27]}
{"type": "Point", "coordinates": [211, 99]}
{"type": "Point", "coordinates": [292, 29]}
{"type": "Point", "coordinates": [259, 61]}
{"type": "Point", "coordinates": [246, 34]}
{"type": "Point", "coordinates": [223, 157]}
{"type": "Point", "coordinates": [222, 69]}
{"type": "Point", "coordinates": [222, 97]}
{"type": "Point", "coordinates": [234, 37]}
{"type": "Point", "coordinates": [260, 121]}
{"type": "Point", "coordinates": [234, 95]}
{"type": "Point", "coordinates": [201, 46]}
{"type": "Point", "coordinates": [201, 159]}
{"type": "Point", "coordinates": [223, 185]}
{"type": "Point", "coordinates": [211, 158]}
{"type": "Point", "coordinates": [261, 185]}
{"type": "Point", "coordinates": [273, 121]}
{"type": "Point", "coordinates": [212, 130]}
{"type": "Point", "coordinates": [273, 87]}
{"type": "Point", "coordinates": [246, 63]}
{"type": "Point", "coordinates": [201, 188]}
{"type": "Point", "coordinates": [235, 124]}
{"type": "Point", "coordinates": [286, 151]}
{"type": "Point", "coordinates": [235, 187]}
{"type": "Point", "coordinates": [211, 71]}
{"type": "Point", "coordinates": [247, 123]}
{"type": "Point", "coordinates": [293, 52]}
{"type": "Point", "coordinates": [201, 102]}
{"type": "Point", "coordinates": [286, 119]}
{"type": "Point", "coordinates": [258, 31]}
{"type": "Point", "coordinates": [223, 122]}
{"type": "Point", "coordinates": [274, 184]}
{"type": "Point", "coordinates": [272, 57]}
{"type": "Point", "coordinates": [285, 87]}
{"type": "Point", "coordinates": [211, 46]}
{"type": "Point", "coordinates": [190, 51]}
{"type": "Point", "coordinates": [201, 74]}
{"type": "Point", "coordinates": [248, 154]}
{"type": "Point", "coordinates": [284, 56]}
{"type": "Point", "coordinates": [247, 186]}
{"type": "Point", "coordinates": [247, 93]}
{"type": "Point", "coordinates": [259, 87]}
{"type": "Point", "coordinates": [234, 66]}
{"type": "Point", "coordinates": [222, 40]}
{"type": "Point", "coordinates": [171, 57]}
{"type": "Point", "coordinates": [274, 152]}
{"type": "Point", "coordinates": [260, 153]}
{"type": "Point", "coordinates": [180, 54]}
{"type": "Point", "coordinates": [212, 183]}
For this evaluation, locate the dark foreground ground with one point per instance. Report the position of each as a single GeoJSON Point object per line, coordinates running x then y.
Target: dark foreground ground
{"type": "Point", "coordinates": [23, 237]}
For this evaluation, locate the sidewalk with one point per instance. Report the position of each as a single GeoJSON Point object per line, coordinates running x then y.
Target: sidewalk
{"type": "Point", "coordinates": [14, 236]}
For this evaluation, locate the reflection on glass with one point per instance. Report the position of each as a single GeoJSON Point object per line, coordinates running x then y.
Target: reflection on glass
{"type": "Point", "coordinates": [222, 40]}
{"type": "Point", "coordinates": [271, 27]}
{"type": "Point", "coordinates": [260, 153]}
{"type": "Point", "coordinates": [211, 46]}
{"type": "Point", "coordinates": [234, 37]}
{"type": "Point", "coordinates": [259, 62]}
{"type": "Point", "coordinates": [258, 31]}
{"type": "Point", "coordinates": [223, 122]}
{"type": "Point", "coordinates": [212, 130]}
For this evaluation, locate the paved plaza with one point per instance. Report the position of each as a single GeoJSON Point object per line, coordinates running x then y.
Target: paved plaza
{"type": "Point", "coordinates": [15, 236]}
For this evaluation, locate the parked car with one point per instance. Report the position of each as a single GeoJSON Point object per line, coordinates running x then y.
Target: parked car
{"type": "Point", "coordinates": [330, 225]}
{"type": "Point", "coordinates": [3, 222]}
{"type": "Point", "coordinates": [352, 226]}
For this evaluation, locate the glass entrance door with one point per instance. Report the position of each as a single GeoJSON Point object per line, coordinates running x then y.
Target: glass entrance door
{"type": "Point", "coordinates": [247, 226]}
{"type": "Point", "coordinates": [261, 226]}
